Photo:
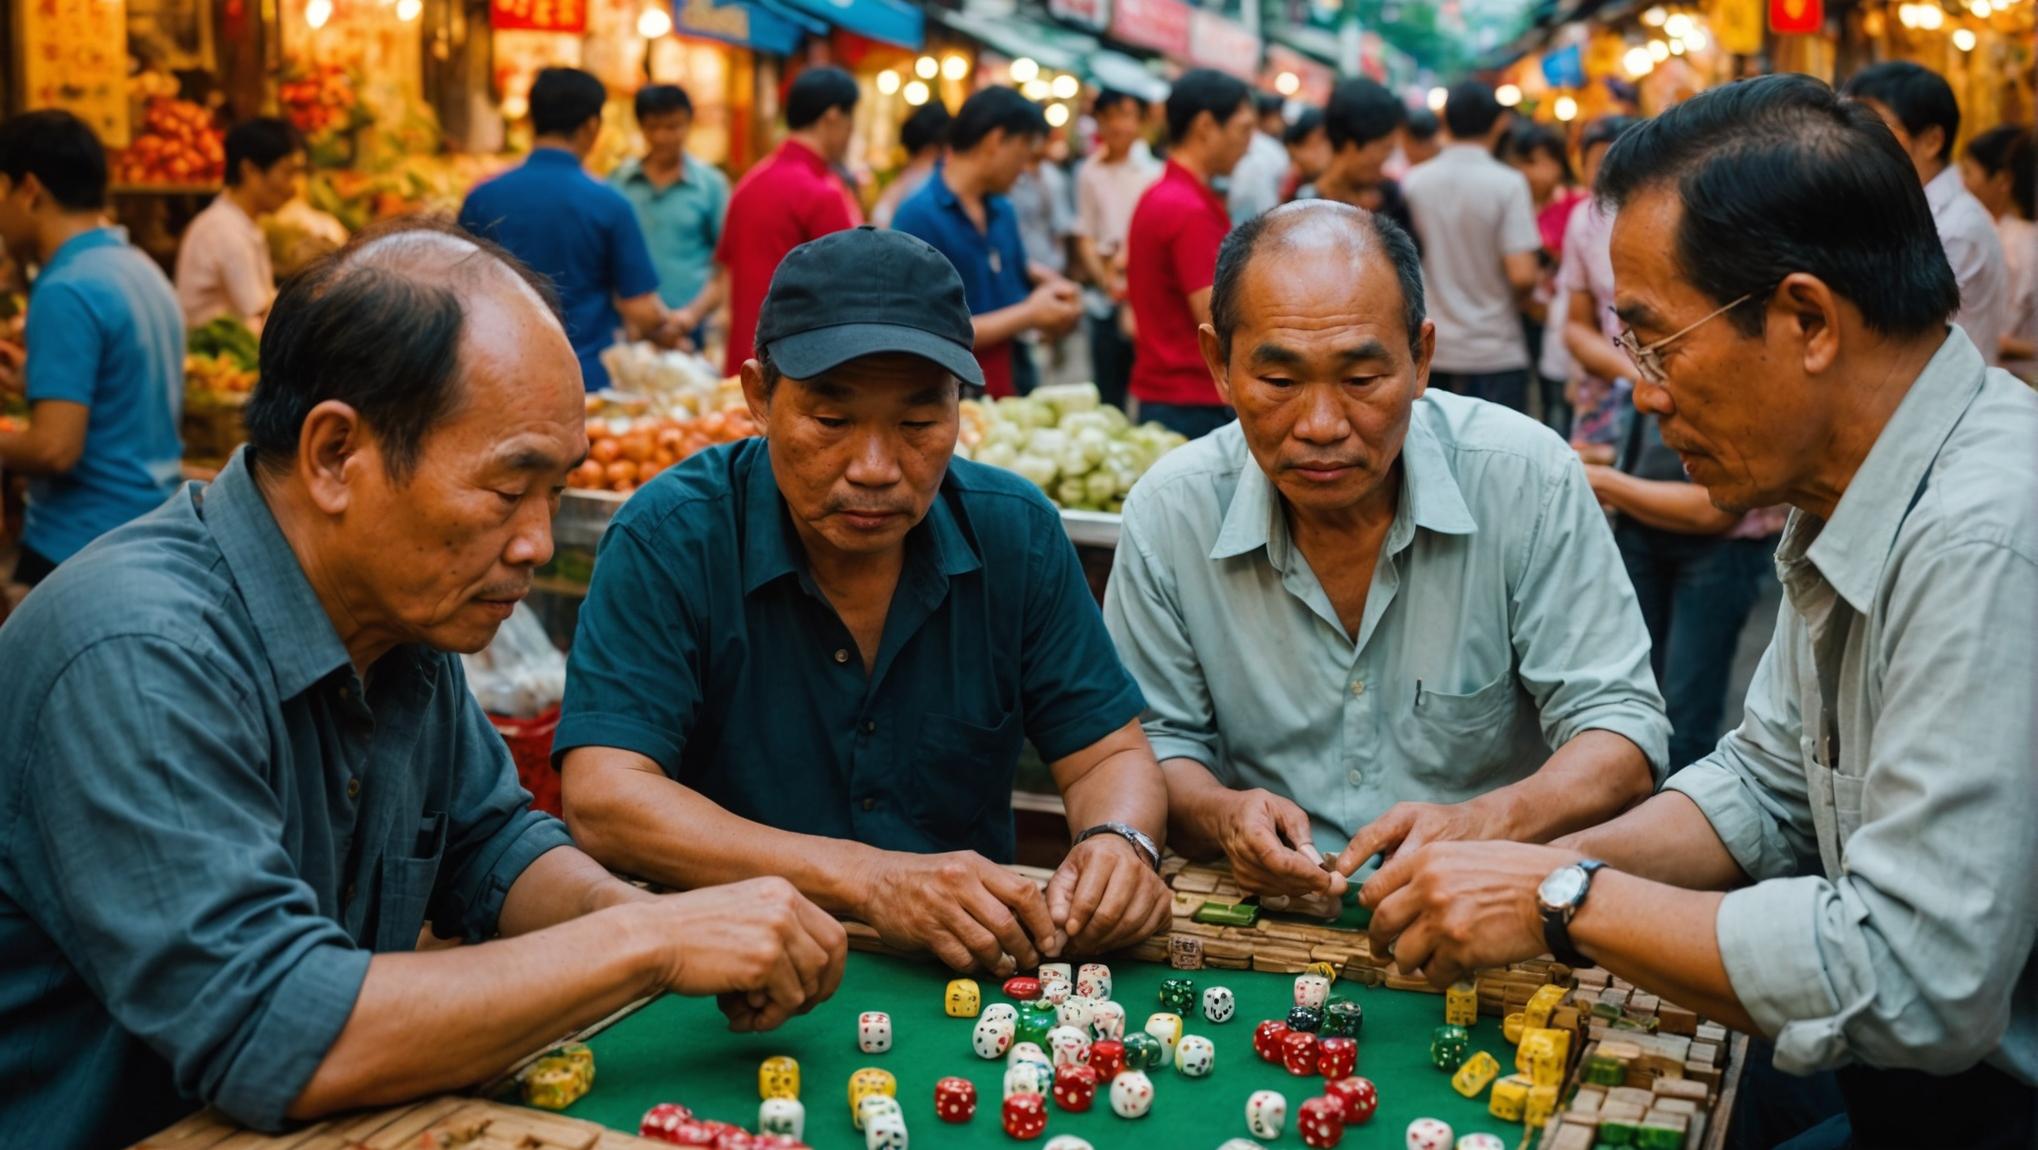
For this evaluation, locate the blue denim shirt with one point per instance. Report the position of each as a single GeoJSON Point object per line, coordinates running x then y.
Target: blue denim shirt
{"type": "Point", "coordinates": [208, 822]}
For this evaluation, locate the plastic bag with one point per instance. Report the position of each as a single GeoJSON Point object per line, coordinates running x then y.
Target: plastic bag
{"type": "Point", "coordinates": [520, 673]}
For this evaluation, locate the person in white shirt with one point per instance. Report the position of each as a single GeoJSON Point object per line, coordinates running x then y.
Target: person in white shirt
{"type": "Point", "coordinates": [1108, 187]}
{"type": "Point", "coordinates": [1256, 182]}
{"type": "Point", "coordinates": [223, 263]}
{"type": "Point", "coordinates": [1921, 111]}
{"type": "Point", "coordinates": [1480, 252]}
{"type": "Point", "coordinates": [2001, 167]}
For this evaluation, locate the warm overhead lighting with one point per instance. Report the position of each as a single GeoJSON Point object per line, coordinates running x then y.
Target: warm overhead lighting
{"type": "Point", "coordinates": [1981, 9]}
{"type": "Point", "coordinates": [409, 10]}
{"type": "Point", "coordinates": [1057, 115]}
{"type": "Point", "coordinates": [1931, 17]}
{"type": "Point", "coordinates": [1287, 83]}
{"type": "Point", "coordinates": [316, 13]}
{"type": "Point", "coordinates": [1508, 94]}
{"type": "Point", "coordinates": [1566, 109]}
{"type": "Point", "coordinates": [515, 108]}
{"type": "Point", "coordinates": [1659, 51]}
{"type": "Point", "coordinates": [1036, 89]}
{"type": "Point", "coordinates": [1963, 39]}
{"type": "Point", "coordinates": [1907, 15]}
{"type": "Point", "coordinates": [1024, 70]}
{"type": "Point", "coordinates": [917, 93]}
{"type": "Point", "coordinates": [653, 22]}
{"type": "Point", "coordinates": [1437, 96]}
{"type": "Point", "coordinates": [955, 67]}
{"type": "Point", "coordinates": [1655, 17]}
{"type": "Point", "coordinates": [1677, 47]}
{"type": "Point", "coordinates": [887, 82]}
{"type": "Point", "coordinates": [1698, 41]}
{"type": "Point", "coordinates": [1638, 62]}
{"type": "Point", "coordinates": [1678, 26]}
{"type": "Point", "coordinates": [1065, 87]}
{"type": "Point", "coordinates": [926, 67]}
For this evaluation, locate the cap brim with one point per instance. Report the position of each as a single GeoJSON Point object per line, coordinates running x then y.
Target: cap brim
{"type": "Point", "coordinates": [809, 354]}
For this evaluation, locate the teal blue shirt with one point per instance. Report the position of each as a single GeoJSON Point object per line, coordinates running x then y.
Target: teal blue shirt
{"type": "Point", "coordinates": [705, 646]}
{"type": "Point", "coordinates": [1498, 590]}
{"type": "Point", "coordinates": [682, 223]}
{"type": "Point", "coordinates": [105, 332]}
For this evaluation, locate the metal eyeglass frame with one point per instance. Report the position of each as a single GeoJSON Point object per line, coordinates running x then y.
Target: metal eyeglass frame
{"type": "Point", "coordinates": [1648, 360]}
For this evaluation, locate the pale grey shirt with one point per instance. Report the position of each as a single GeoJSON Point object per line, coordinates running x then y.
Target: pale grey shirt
{"type": "Point", "coordinates": [1498, 591]}
{"type": "Point", "coordinates": [1882, 788]}
{"type": "Point", "coordinates": [1976, 253]}
{"type": "Point", "coordinates": [1471, 211]}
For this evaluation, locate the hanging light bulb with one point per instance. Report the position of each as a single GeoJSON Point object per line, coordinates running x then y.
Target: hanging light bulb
{"type": "Point", "coordinates": [1036, 89]}
{"type": "Point", "coordinates": [1638, 62]}
{"type": "Point", "coordinates": [888, 82]}
{"type": "Point", "coordinates": [1659, 51]}
{"type": "Point", "coordinates": [1931, 17]}
{"type": "Point", "coordinates": [1697, 41]}
{"type": "Point", "coordinates": [316, 13]}
{"type": "Point", "coordinates": [955, 67]}
{"type": "Point", "coordinates": [1677, 47]}
{"type": "Point", "coordinates": [653, 22]}
{"type": "Point", "coordinates": [409, 10]}
{"type": "Point", "coordinates": [1287, 83]}
{"type": "Point", "coordinates": [1057, 115]}
{"type": "Point", "coordinates": [1655, 16]}
{"type": "Point", "coordinates": [1677, 27]}
{"type": "Point", "coordinates": [1065, 87]}
{"type": "Point", "coordinates": [1508, 95]}
{"type": "Point", "coordinates": [1963, 39]}
{"type": "Point", "coordinates": [1024, 70]}
{"type": "Point", "coordinates": [917, 93]}
{"type": "Point", "coordinates": [1437, 96]}
{"type": "Point", "coordinates": [926, 67]}
{"type": "Point", "coordinates": [1566, 109]}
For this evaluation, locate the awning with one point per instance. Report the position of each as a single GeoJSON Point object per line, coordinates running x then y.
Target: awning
{"type": "Point", "coordinates": [892, 21]}
{"type": "Point", "coordinates": [1013, 36]}
{"type": "Point", "coordinates": [1117, 71]}
{"type": "Point", "coordinates": [759, 25]}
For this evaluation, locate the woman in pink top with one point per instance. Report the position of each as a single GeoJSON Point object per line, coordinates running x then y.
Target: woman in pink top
{"type": "Point", "coordinates": [1539, 154]}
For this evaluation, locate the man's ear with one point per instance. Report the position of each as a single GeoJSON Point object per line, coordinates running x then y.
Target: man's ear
{"type": "Point", "coordinates": [331, 449]}
{"type": "Point", "coordinates": [1214, 360]}
{"type": "Point", "coordinates": [754, 397]}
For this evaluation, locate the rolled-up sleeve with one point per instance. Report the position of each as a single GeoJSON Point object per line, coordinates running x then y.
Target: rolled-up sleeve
{"type": "Point", "coordinates": [1580, 646]}
{"type": "Point", "coordinates": [158, 868]}
{"type": "Point", "coordinates": [1146, 623]}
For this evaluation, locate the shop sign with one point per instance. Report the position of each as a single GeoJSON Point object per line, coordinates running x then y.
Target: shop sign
{"type": "Point", "coordinates": [538, 15]}
{"type": "Point", "coordinates": [1215, 42]}
{"type": "Point", "coordinates": [74, 57]}
{"type": "Point", "coordinates": [1092, 14]}
{"type": "Point", "coordinates": [1160, 25]}
{"type": "Point", "coordinates": [1796, 17]}
{"type": "Point", "coordinates": [1737, 26]}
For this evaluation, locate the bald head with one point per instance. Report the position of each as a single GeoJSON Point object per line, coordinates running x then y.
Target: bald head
{"type": "Point", "coordinates": [1313, 235]}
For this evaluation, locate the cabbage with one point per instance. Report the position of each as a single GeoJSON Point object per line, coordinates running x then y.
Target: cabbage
{"type": "Point", "coordinates": [1069, 492]}
{"type": "Point", "coordinates": [1048, 441]}
{"type": "Point", "coordinates": [1040, 471]}
{"type": "Point", "coordinates": [1068, 397]}
{"type": "Point", "coordinates": [1100, 487]}
{"type": "Point", "coordinates": [997, 454]}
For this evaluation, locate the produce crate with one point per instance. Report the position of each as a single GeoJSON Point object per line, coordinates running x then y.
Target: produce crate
{"type": "Point", "coordinates": [212, 429]}
{"type": "Point", "coordinates": [530, 744]}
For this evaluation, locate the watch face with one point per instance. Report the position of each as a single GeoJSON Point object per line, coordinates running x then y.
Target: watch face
{"type": "Point", "coordinates": [1563, 887]}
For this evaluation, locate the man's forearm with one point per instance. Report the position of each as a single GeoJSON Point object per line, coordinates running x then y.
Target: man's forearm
{"type": "Point", "coordinates": [1667, 839]}
{"type": "Point", "coordinates": [1684, 508]}
{"type": "Point", "coordinates": [1663, 939]}
{"type": "Point", "coordinates": [561, 885]}
{"type": "Point", "coordinates": [1125, 788]}
{"type": "Point", "coordinates": [710, 297]}
{"type": "Point", "coordinates": [1007, 323]}
{"type": "Point", "coordinates": [1195, 800]}
{"type": "Point", "coordinates": [1093, 264]}
{"type": "Point", "coordinates": [1590, 779]}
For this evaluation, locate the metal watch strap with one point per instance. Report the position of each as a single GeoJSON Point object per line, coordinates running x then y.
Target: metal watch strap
{"type": "Point", "coordinates": [1146, 847]}
{"type": "Point", "coordinates": [1557, 922]}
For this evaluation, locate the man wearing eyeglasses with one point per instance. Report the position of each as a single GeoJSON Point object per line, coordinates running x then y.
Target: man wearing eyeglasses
{"type": "Point", "coordinates": [1849, 873]}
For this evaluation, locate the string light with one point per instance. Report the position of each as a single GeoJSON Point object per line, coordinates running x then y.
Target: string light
{"type": "Point", "coordinates": [955, 67]}
{"type": "Point", "coordinates": [1655, 16]}
{"type": "Point", "coordinates": [1508, 95]}
{"type": "Point", "coordinates": [317, 12]}
{"type": "Point", "coordinates": [926, 67]}
{"type": "Point", "coordinates": [1638, 62]}
{"type": "Point", "coordinates": [1057, 115]}
{"type": "Point", "coordinates": [652, 23]}
{"type": "Point", "coordinates": [409, 10]}
{"type": "Point", "coordinates": [1287, 83]}
{"type": "Point", "coordinates": [1659, 51]}
{"type": "Point", "coordinates": [917, 93]}
{"type": "Point", "coordinates": [1024, 70]}
{"type": "Point", "coordinates": [1677, 27]}
{"type": "Point", "coordinates": [1566, 109]}
{"type": "Point", "coordinates": [1065, 87]}
{"type": "Point", "coordinates": [1963, 39]}
{"type": "Point", "coordinates": [888, 82]}
{"type": "Point", "coordinates": [1437, 96]}
{"type": "Point", "coordinates": [1036, 89]}
{"type": "Point", "coordinates": [1698, 41]}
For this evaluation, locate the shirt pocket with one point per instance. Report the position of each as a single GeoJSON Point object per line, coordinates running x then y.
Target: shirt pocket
{"type": "Point", "coordinates": [403, 891]}
{"type": "Point", "coordinates": [1835, 801]}
{"type": "Point", "coordinates": [1455, 744]}
{"type": "Point", "coordinates": [958, 770]}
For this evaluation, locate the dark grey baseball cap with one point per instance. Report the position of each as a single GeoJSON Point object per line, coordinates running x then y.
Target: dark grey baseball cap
{"type": "Point", "coordinates": [862, 292]}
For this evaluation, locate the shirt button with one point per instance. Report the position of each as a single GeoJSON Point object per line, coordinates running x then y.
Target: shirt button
{"type": "Point", "coordinates": [1358, 688]}
{"type": "Point", "coordinates": [354, 787]}
{"type": "Point", "coordinates": [869, 728]}
{"type": "Point", "coordinates": [346, 693]}
{"type": "Point", "coordinates": [870, 804]}
{"type": "Point", "coordinates": [842, 656]}
{"type": "Point", "coordinates": [1355, 776]}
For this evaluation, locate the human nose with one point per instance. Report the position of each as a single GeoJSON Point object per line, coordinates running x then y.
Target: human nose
{"type": "Point", "coordinates": [1322, 419]}
{"type": "Point", "coordinates": [530, 544]}
{"type": "Point", "coordinates": [875, 462]}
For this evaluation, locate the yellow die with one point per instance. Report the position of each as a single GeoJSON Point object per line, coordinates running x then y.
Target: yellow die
{"type": "Point", "coordinates": [1461, 1004]}
{"type": "Point", "coordinates": [1325, 969]}
{"type": "Point", "coordinates": [964, 998]}
{"type": "Point", "coordinates": [1512, 1026]}
{"type": "Point", "coordinates": [1167, 1028]}
{"type": "Point", "coordinates": [868, 1081]}
{"type": "Point", "coordinates": [578, 1054]}
{"type": "Point", "coordinates": [1542, 1102]}
{"type": "Point", "coordinates": [1543, 1055]}
{"type": "Point", "coordinates": [1510, 1098]}
{"type": "Point", "coordinates": [554, 1083]}
{"type": "Point", "coordinates": [1540, 1004]}
{"type": "Point", "coordinates": [778, 1077]}
{"type": "Point", "coordinates": [1475, 1075]}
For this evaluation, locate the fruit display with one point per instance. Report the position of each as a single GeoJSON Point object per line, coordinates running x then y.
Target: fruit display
{"type": "Point", "coordinates": [225, 337]}
{"type": "Point", "coordinates": [176, 143]}
{"type": "Point", "coordinates": [215, 379]}
{"type": "Point", "coordinates": [625, 452]}
{"type": "Point", "coordinates": [1083, 453]}
{"type": "Point", "coordinates": [323, 103]}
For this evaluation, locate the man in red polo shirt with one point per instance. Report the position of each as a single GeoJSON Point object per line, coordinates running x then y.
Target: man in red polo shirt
{"type": "Point", "coordinates": [792, 197]}
{"type": "Point", "coordinates": [1171, 252]}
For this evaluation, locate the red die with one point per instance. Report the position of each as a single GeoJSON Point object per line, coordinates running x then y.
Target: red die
{"type": "Point", "coordinates": [1298, 1052]}
{"type": "Point", "coordinates": [1075, 1088]}
{"type": "Point", "coordinates": [736, 1139]}
{"type": "Point", "coordinates": [1022, 988]}
{"type": "Point", "coordinates": [662, 1120]}
{"type": "Point", "coordinates": [955, 1099]}
{"type": "Point", "coordinates": [1337, 1057]}
{"type": "Point", "coordinates": [1267, 1040]}
{"type": "Point", "coordinates": [1359, 1097]}
{"type": "Point", "coordinates": [777, 1142]}
{"type": "Point", "coordinates": [690, 1133]}
{"type": "Point", "coordinates": [1025, 1116]}
{"type": "Point", "coordinates": [1107, 1058]}
{"type": "Point", "coordinates": [1322, 1122]}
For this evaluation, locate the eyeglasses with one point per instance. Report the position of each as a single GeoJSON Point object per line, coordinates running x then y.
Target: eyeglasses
{"type": "Point", "coordinates": [1649, 360]}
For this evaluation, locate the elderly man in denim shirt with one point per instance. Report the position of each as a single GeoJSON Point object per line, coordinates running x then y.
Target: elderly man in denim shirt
{"type": "Point", "coordinates": [1849, 873]}
{"type": "Point", "coordinates": [240, 769]}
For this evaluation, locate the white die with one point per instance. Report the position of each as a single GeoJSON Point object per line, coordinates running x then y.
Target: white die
{"type": "Point", "coordinates": [885, 1132]}
{"type": "Point", "coordinates": [1076, 1011]}
{"type": "Point", "coordinates": [1167, 1028]}
{"type": "Point", "coordinates": [993, 1036]}
{"type": "Point", "coordinates": [1429, 1134]}
{"type": "Point", "coordinates": [782, 1116]}
{"type": "Point", "coordinates": [1094, 981]}
{"type": "Point", "coordinates": [1196, 1056]}
{"type": "Point", "coordinates": [1219, 1004]}
{"type": "Point", "coordinates": [1067, 1142]}
{"type": "Point", "coordinates": [874, 1032]}
{"type": "Point", "coordinates": [1070, 1046]}
{"type": "Point", "coordinates": [1481, 1141]}
{"type": "Point", "coordinates": [1004, 1010]}
{"type": "Point", "coordinates": [1027, 1052]}
{"type": "Point", "coordinates": [1056, 990]}
{"type": "Point", "coordinates": [1107, 1020]}
{"type": "Point", "coordinates": [1028, 1078]}
{"type": "Point", "coordinates": [874, 1107]}
{"type": "Point", "coordinates": [1239, 1144]}
{"type": "Point", "coordinates": [1312, 991]}
{"type": "Point", "coordinates": [1061, 970]}
{"type": "Point", "coordinates": [1266, 1114]}
{"type": "Point", "coordinates": [1131, 1094]}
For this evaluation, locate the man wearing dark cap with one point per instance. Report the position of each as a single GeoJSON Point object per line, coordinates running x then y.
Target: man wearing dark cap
{"type": "Point", "coordinates": [817, 654]}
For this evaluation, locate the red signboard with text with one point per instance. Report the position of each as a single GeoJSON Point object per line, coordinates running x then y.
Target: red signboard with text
{"type": "Point", "coordinates": [1215, 42]}
{"type": "Point", "coordinates": [539, 15]}
{"type": "Point", "coordinates": [1161, 25]}
{"type": "Point", "coordinates": [1796, 17]}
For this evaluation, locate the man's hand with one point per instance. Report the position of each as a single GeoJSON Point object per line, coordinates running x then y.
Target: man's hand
{"type": "Point", "coordinates": [1407, 827]}
{"type": "Point", "coordinates": [1266, 837]}
{"type": "Point", "coordinates": [760, 946]}
{"type": "Point", "coordinates": [1454, 907]}
{"type": "Point", "coordinates": [1105, 896]}
{"type": "Point", "coordinates": [1055, 306]}
{"type": "Point", "coordinates": [970, 912]}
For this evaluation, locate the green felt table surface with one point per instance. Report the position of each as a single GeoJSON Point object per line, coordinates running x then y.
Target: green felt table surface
{"type": "Point", "coordinates": [680, 1050]}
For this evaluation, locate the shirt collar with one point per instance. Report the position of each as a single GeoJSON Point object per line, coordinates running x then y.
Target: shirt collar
{"type": "Point", "coordinates": [84, 242]}
{"type": "Point", "coordinates": [800, 153]}
{"type": "Point", "coordinates": [1174, 170]}
{"type": "Point", "coordinates": [1851, 549]}
{"type": "Point", "coordinates": [994, 205]}
{"type": "Point", "coordinates": [1430, 499]}
{"type": "Point", "coordinates": [772, 549]}
{"type": "Point", "coordinates": [633, 169]}
{"type": "Point", "coordinates": [1941, 190]}
{"type": "Point", "coordinates": [296, 633]}
{"type": "Point", "coordinates": [554, 156]}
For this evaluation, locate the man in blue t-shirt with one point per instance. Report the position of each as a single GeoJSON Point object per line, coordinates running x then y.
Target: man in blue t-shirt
{"type": "Point", "coordinates": [569, 227]}
{"type": "Point", "coordinates": [104, 375]}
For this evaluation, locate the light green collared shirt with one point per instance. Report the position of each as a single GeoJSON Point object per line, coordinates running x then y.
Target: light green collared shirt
{"type": "Point", "coordinates": [1883, 787]}
{"type": "Point", "coordinates": [1498, 590]}
{"type": "Point", "coordinates": [682, 222]}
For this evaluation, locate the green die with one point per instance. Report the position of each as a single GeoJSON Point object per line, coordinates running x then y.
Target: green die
{"type": "Point", "coordinates": [1342, 1019]}
{"type": "Point", "coordinates": [1448, 1046]}
{"type": "Point", "coordinates": [1603, 1071]}
{"type": "Point", "coordinates": [1143, 1051]}
{"type": "Point", "coordinates": [1179, 995]}
{"type": "Point", "coordinates": [1035, 1024]}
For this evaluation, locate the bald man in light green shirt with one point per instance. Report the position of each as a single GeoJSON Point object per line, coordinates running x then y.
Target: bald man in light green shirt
{"type": "Point", "coordinates": [1365, 617]}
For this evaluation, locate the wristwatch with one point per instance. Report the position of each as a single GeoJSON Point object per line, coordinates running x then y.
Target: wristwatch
{"type": "Point", "coordinates": [1147, 848]}
{"type": "Point", "coordinates": [1559, 898]}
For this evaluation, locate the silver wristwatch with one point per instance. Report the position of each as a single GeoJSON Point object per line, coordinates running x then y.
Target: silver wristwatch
{"type": "Point", "coordinates": [1147, 848]}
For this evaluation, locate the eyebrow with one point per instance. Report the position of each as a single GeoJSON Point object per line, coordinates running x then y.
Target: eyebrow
{"type": "Point", "coordinates": [1368, 350]}
{"type": "Point", "coordinates": [829, 390]}
{"type": "Point", "coordinates": [527, 460]}
{"type": "Point", "coordinates": [928, 396]}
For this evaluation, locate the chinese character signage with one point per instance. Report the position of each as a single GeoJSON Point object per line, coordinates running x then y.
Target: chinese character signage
{"type": "Point", "coordinates": [1796, 17]}
{"type": "Point", "coordinates": [1159, 25]}
{"type": "Point", "coordinates": [539, 15]}
{"type": "Point", "coordinates": [1215, 42]}
{"type": "Point", "coordinates": [74, 57]}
